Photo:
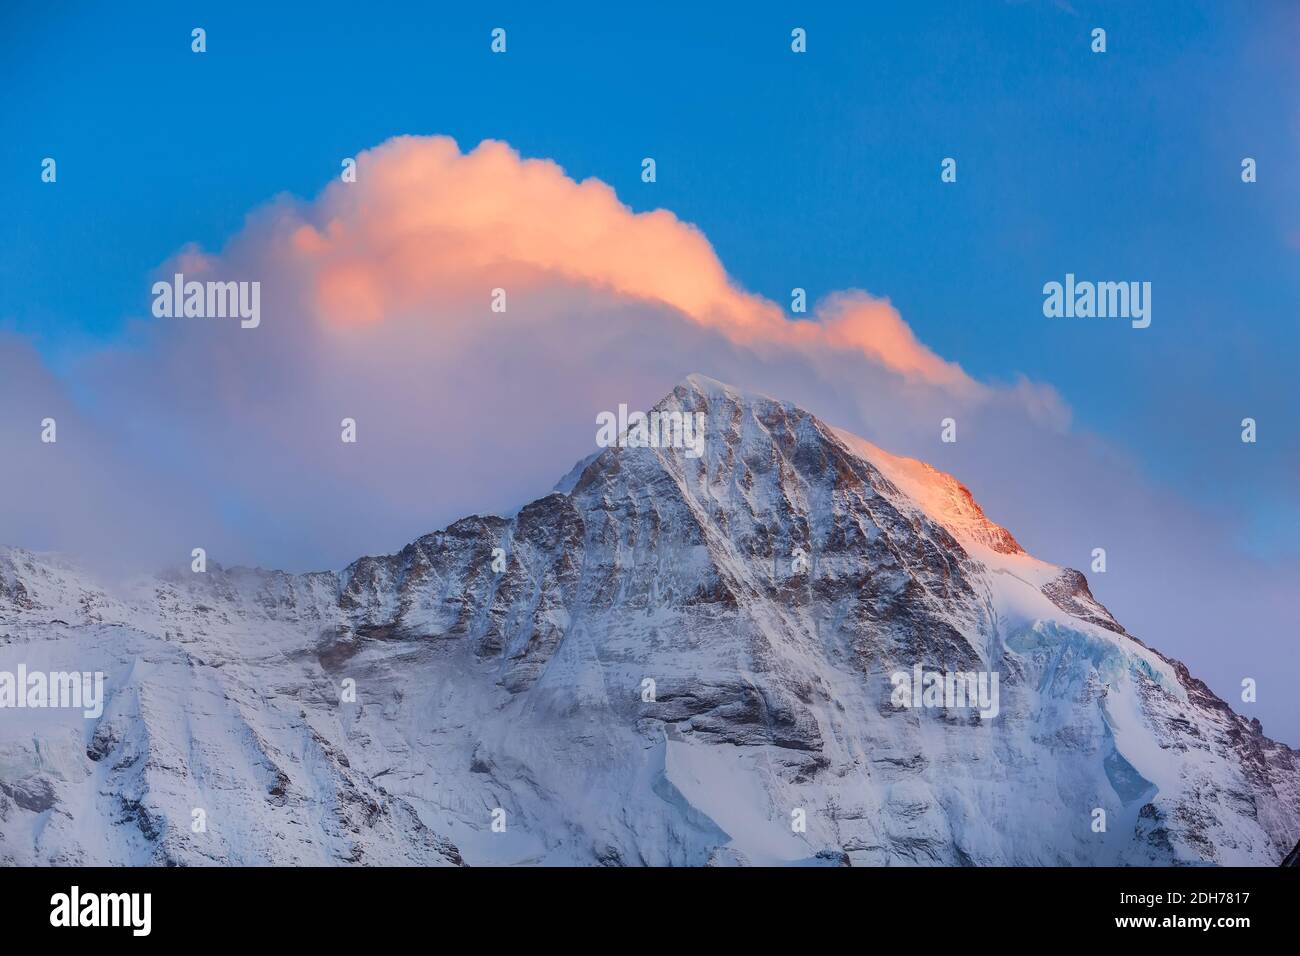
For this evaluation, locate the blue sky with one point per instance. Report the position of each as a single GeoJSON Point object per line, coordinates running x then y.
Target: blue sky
{"type": "Point", "coordinates": [819, 171]}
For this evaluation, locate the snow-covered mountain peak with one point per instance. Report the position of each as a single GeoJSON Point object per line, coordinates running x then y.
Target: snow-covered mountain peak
{"type": "Point", "coordinates": [664, 661]}
{"type": "Point", "coordinates": [749, 422]}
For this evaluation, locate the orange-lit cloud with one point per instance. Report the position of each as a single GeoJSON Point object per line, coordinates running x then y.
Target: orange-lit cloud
{"type": "Point", "coordinates": [425, 222]}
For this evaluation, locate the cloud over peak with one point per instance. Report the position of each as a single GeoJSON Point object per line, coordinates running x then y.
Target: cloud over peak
{"type": "Point", "coordinates": [424, 220]}
{"type": "Point", "coordinates": [376, 305]}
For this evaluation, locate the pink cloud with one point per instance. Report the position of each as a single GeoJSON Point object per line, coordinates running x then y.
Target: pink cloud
{"type": "Point", "coordinates": [424, 222]}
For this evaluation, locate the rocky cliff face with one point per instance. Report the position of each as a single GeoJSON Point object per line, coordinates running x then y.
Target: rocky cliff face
{"type": "Point", "coordinates": [668, 660]}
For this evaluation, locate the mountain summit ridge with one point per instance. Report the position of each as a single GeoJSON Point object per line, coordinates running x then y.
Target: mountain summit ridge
{"type": "Point", "coordinates": [766, 591]}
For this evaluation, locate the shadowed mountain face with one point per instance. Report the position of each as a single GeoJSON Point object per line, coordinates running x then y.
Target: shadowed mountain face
{"type": "Point", "coordinates": [668, 660]}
